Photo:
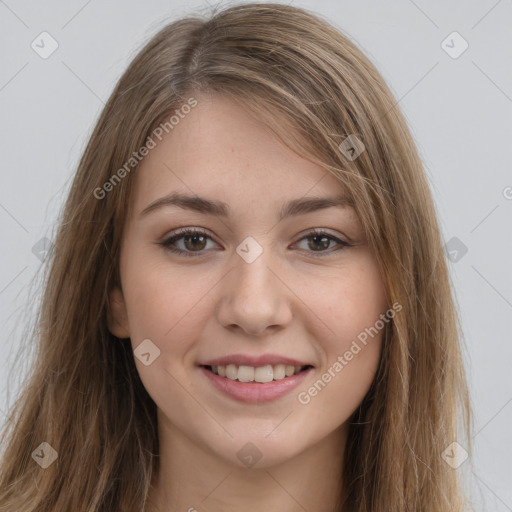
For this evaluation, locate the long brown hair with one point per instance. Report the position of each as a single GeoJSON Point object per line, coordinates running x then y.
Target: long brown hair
{"type": "Point", "coordinates": [314, 88]}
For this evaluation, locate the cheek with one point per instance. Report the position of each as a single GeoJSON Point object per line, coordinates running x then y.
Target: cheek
{"type": "Point", "coordinates": [169, 308]}
{"type": "Point", "coordinates": [342, 386]}
{"type": "Point", "coordinates": [353, 311]}
{"type": "Point", "coordinates": [160, 299]}
{"type": "Point", "coordinates": [350, 304]}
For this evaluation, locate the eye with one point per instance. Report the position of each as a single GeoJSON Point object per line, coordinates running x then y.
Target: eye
{"type": "Point", "coordinates": [320, 240]}
{"type": "Point", "coordinates": [195, 241]}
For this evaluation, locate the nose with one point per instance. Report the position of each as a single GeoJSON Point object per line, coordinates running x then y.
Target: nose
{"type": "Point", "coordinates": [254, 297]}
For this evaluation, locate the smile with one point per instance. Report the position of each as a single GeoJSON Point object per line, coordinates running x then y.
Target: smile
{"type": "Point", "coordinates": [259, 374]}
{"type": "Point", "coordinates": [255, 384]}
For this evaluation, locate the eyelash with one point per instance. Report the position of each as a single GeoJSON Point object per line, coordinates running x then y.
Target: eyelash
{"type": "Point", "coordinates": [168, 242]}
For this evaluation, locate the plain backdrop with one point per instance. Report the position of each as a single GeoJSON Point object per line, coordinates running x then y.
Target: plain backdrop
{"type": "Point", "coordinates": [455, 90]}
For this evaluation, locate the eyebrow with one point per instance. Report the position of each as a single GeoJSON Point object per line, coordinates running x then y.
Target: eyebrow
{"type": "Point", "coordinates": [206, 206]}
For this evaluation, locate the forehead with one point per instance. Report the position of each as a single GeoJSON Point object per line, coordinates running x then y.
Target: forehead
{"type": "Point", "coordinates": [219, 150]}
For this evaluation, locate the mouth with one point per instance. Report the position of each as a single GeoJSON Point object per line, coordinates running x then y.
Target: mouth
{"type": "Point", "coordinates": [256, 374]}
{"type": "Point", "coordinates": [255, 384]}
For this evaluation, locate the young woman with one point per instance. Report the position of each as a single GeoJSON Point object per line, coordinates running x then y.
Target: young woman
{"type": "Point", "coordinates": [248, 305]}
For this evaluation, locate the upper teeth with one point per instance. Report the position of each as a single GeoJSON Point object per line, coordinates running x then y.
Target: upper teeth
{"type": "Point", "coordinates": [262, 374]}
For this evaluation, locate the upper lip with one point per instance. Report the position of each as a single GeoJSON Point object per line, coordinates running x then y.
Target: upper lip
{"type": "Point", "coordinates": [245, 360]}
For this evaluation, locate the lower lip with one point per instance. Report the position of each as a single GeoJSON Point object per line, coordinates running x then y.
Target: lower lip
{"type": "Point", "coordinates": [255, 392]}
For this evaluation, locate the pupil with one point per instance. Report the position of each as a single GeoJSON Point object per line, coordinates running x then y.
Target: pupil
{"type": "Point", "coordinates": [195, 237]}
{"type": "Point", "coordinates": [325, 243]}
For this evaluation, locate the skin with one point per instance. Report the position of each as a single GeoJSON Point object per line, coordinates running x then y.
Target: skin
{"type": "Point", "coordinates": [212, 304]}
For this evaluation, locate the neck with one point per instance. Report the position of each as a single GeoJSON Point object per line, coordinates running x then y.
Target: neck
{"type": "Point", "coordinates": [194, 479]}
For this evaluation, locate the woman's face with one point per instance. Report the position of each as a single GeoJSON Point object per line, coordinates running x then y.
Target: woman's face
{"type": "Point", "coordinates": [254, 295]}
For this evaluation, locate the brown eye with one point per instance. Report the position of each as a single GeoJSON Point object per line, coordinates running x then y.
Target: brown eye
{"type": "Point", "coordinates": [320, 241]}
{"type": "Point", "coordinates": [194, 241]}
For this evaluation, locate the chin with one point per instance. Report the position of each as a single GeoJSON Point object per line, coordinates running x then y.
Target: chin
{"type": "Point", "coordinates": [260, 452]}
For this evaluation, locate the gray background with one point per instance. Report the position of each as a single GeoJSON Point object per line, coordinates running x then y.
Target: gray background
{"type": "Point", "coordinates": [459, 110]}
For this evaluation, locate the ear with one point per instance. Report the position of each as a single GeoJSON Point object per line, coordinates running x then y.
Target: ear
{"type": "Point", "coordinates": [116, 316]}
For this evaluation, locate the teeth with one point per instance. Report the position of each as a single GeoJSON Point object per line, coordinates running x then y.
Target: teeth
{"type": "Point", "coordinates": [279, 371]}
{"type": "Point", "coordinates": [260, 374]}
{"type": "Point", "coordinates": [245, 373]}
{"type": "Point", "coordinates": [231, 372]}
{"type": "Point", "coordinates": [289, 370]}
{"type": "Point", "coordinates": [264, 374]}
